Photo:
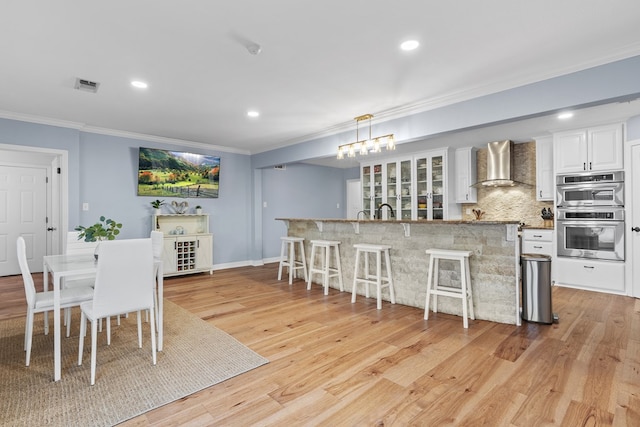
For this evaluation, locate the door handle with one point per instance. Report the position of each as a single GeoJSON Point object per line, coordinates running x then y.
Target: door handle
{"type": "Point", "coordinates": [54, 229]}
{"type": "Point", "coordinates": [636, 229]}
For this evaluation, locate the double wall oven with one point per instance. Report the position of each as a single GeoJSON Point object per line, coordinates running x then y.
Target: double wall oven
{"type": "Point", "coordinates": [590, 215]}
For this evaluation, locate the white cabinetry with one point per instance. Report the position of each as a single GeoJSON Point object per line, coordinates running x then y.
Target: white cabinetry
{"type": "Point", "coordinates": [371, 178]}
{"type": "Point", "coordinates": [387, 182]}
{"type": "Point", "coordinates": [545, 184]}
{"type": "Point", "coordinates": [188, 245]}
{"type": "Point", "coordinates": [397, 191]}
{"type": "Point", "coordinates": [593, 149]}
{"type": "Point", "coordinates": [465, 172]}
{"type": "Point", "coordinates": [537, 241]}
{"type": "Point", "coordinates": [415, 187]}
{"type": "Point", "coordinates": [432, 177]}
{"type": "Point", "coordinates": [603, 276]}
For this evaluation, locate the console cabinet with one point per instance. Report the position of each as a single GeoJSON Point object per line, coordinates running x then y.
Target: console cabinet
{"type": "Point", "coordinates": [188, 245]}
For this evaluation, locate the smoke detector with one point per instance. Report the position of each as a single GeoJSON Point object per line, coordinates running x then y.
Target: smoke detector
{"type": "Point", "coordinates": [86, 85]}
{"type": "Point", "coordinates": [254, 48]}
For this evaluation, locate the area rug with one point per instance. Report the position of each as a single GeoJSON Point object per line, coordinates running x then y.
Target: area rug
{"type": "Point", "coordinates": [196, 355]}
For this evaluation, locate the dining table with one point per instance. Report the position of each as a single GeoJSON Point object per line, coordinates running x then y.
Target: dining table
{"type": "Point", "coordinates": [82, 264]}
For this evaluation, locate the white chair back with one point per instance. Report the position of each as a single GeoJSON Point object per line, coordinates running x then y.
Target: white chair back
{"type": "Point", "coordinates": [157, 241]}
{"type": "Point", "coordinates": [75, 246]}
{"type": "Point", "coordinates": [124, 277]}
{"type": "Point", "coordinates": [29, 286]}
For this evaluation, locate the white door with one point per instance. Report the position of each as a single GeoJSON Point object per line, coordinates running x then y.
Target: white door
{"type": "Point", "coordinates": [23, 212]}
{"type": "Point", "coordinates": [354, 198]}
{"type": "Point", "coordinates": [632, 192]}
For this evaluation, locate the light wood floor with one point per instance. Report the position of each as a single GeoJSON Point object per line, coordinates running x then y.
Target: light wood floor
{"type": "Point", "coordinates": [340, 364]}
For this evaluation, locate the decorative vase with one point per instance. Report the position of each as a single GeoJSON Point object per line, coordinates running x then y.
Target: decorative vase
{"type": "Point", "coordinates": [198, 211]}
{"type": "Point", "coordinates": [158, 211]}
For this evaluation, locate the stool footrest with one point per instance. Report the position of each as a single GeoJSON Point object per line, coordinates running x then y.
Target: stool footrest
{"type": "Point", "coordinates": [451, 292]}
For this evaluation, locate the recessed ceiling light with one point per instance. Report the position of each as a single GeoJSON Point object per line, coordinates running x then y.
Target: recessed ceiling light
{"type": "Point", "coordinates": [565, 116]}
{"type": "Point", "coordinates": [253, 113]}
{"type": "Point", "coordinates": [410, 45]}
{"type": "Point", "coordinates": [139, 84]}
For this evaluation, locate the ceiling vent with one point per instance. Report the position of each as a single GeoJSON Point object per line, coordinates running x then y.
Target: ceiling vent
{"type": "Point", "coordinates": [86, 85]}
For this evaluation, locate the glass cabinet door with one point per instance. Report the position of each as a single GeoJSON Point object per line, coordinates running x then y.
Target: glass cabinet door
{"type": "Point", "coordinates": [422, 188]}
{"type": "Point", "coordinates": [367, 189]}
{"type": "Point", "coordinates": [437, 188]}
{"type": "Point", "coordinates": [405, 202]}
{"type": "Point", "coordinates": [372, 186]}
{"type": "Point", "coordinates": [377, 188]}
{"type": "Point", "coordinates": [391, 188]}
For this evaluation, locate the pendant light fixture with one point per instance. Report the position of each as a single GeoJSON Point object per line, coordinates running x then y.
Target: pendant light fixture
{"type": "Point", "coordinates": [365, 146]}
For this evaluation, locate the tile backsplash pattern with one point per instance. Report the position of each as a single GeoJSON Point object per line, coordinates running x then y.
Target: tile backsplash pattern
{"type": "Point", "coordinates": [516, 203]}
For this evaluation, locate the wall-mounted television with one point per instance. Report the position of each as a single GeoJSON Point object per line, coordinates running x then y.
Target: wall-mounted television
{"type": "Point", "coordinates": [164, 173]}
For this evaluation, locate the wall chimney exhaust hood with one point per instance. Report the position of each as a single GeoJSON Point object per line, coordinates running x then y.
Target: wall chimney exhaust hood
{"type": "Point", "coordinates": [499, 166]}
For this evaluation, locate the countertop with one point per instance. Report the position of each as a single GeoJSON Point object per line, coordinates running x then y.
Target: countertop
{"type": "Point", "coordinates": [406, 221]}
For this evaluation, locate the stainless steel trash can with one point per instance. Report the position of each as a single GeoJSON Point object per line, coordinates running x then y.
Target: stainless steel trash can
{"type": "Point", "coordinates": [536, 288]}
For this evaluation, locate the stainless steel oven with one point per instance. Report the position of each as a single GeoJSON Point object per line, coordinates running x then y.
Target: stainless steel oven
{"type": "Point", "coordinates": [591, 189]}
{"type": "Point", "coordinates": [596, 232]}
{"type": "Point", "coordinates": [590, 215]}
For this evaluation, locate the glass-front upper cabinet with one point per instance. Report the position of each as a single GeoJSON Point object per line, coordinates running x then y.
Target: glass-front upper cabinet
{"type": "Point", "coordinates": [430, 185]}
{"type": "Point", "coordinates": [371, 188]}
{"type": "Point", "coordinates": [415, 187]}
{"type": "Point", "coordinates": [398, 190]}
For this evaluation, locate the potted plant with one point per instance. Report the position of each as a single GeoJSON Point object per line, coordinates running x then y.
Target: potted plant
{"type": "Point", "coordinates": [105, 229]}
{"type": "Point", "coordinates": [157, 205]}
{"type": "Point", "coordinates": [198, 210]}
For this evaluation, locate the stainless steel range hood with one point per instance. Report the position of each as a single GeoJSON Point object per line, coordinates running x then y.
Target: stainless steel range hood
{"type": "Point", "coordinates": [499, 165]}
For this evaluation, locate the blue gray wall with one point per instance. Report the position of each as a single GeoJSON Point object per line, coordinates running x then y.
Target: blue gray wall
{"type": "Point", "coordinates": [299, 191]}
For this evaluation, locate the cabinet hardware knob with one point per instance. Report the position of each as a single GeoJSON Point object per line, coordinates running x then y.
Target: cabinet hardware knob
{"type": "Point", "coordinates": [636, 229]}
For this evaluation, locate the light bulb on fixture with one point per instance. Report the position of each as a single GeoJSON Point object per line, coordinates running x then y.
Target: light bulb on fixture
{"type": "Point", "coordinates": [363, 147]}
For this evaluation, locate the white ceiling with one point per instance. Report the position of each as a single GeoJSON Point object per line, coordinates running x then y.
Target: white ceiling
{"type": "Point", "coordinates": [321, 64]}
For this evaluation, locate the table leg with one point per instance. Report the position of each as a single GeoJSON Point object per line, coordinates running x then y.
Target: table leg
{"type": "Point", "coordinates": [45, 285]}
{"type": "Point", "coordinates": [160, 278]}
{"type": "Point", "coordinates": [57, 371]}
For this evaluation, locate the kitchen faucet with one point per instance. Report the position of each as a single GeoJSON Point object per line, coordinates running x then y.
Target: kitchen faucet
{"type": "Point", "coordinates": [379, 211]}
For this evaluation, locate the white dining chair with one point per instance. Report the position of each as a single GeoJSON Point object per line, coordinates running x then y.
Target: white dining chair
{"type": "Point", "coordinates": [39, 302]}
{"type": "Point", "coordinates": [75, 246]}
{"type": "Point", "coordinates": [124, 283]}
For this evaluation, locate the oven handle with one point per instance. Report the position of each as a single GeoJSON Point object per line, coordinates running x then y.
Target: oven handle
{"type": "Point", "coordinates": [590, 223]}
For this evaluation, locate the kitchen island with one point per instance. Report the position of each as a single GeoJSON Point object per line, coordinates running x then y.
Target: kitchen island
{"type": "Point", "coordinates": [494, 265]}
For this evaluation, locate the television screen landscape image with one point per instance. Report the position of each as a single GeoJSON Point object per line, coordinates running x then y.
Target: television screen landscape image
{"type": "Point", "coordinates": [163, 173]}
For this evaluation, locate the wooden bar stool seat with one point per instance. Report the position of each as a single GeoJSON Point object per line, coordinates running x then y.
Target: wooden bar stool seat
{"type": "Point", "coordinates": [324, 247]}
{"type": "Point", "coordinates": [366, 277]}
{"type": "Point", "coordinates": [435, 288]}
{"type": "Point", "coordinates": [288, 257]}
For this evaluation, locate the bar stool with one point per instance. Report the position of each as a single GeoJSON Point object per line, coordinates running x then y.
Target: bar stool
{"type": "Point", "coordinates": [325, 269]}
{"type": "Point", "coordinates": [368, 278]}
{"type": "Point", "coordinates": [290, 261]}
{"type": "Point", "coordinates": [435, 288]}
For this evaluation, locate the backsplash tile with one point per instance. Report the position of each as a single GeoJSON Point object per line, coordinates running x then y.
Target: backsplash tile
{"type": "Point", "coordinates": [516, 203]}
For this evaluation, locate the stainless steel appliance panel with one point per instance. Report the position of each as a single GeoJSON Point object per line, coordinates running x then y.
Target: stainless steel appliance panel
{"type": "Point", "coordinates": [595, 194]}
{"type": "Point", "coordinates": [598, 239]}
